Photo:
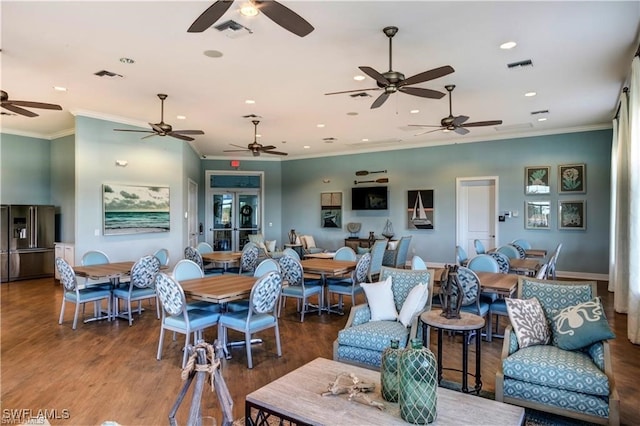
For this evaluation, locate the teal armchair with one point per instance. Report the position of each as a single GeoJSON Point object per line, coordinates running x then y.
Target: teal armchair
{"type": "Point", "coordinates": [574, 383]}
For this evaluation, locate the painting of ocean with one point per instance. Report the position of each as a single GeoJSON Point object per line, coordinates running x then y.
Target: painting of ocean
{"type": "Point", "coordinates": [132, 209]}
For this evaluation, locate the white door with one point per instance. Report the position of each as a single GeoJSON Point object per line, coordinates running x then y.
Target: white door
{"type": "Point", "coordinates": [192, 213]}
{"type": "Point", "coordinates": [477, 218]}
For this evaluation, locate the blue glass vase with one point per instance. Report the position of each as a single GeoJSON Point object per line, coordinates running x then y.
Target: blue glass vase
{"type": "Point", "coordinates": [389, 379]}
{"type": "Point", "coordinates": [418, 392]}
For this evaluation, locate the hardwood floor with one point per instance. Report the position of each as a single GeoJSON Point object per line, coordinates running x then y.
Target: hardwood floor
{"type": "Point", "coordinates": [108, 370]}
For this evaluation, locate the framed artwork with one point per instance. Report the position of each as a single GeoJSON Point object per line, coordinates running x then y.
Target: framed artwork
{"type": "Point", "coordinates": [135, 209]}
{"type": "Point", "coordinates": [420, 209]}
{"type": "Point", "coordinates": [572, 178]}
{"type": "Point", "coordinates": [537, 214]}
{"type": "Point", "coordinates": [572, 214]}
{"type": "Point", "coordinates": [331, 209]}
{"type": "Point", "coordinates": [536, 180]}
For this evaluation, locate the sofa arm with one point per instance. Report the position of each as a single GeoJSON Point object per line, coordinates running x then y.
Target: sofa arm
{"type": "Point", "coordinates": [359, 315]}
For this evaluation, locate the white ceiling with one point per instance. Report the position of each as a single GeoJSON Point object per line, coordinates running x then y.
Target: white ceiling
{"type": "Point", "coordinates": [581, 53]}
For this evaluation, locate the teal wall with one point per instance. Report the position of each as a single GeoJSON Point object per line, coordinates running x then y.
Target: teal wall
{"type": "Point", "coordinates": [437, 168]}
{"type": "Point", "coordinates": [63, 175]}
{"type": "Point", "coordinates": [26, 170]}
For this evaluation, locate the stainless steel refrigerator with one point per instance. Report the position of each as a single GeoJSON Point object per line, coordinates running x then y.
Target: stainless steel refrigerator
{"type": "Point", "coordinates": [30, 230]}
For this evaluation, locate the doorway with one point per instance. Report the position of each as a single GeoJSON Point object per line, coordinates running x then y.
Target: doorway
{"type": "Point", "coordinates": [192, 213]}
{"type": "Point", "coordinates": [477, 207]}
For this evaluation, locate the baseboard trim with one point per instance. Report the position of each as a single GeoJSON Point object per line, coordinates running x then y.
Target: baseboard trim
{"type": "Point", "coordinates": [559, 274]}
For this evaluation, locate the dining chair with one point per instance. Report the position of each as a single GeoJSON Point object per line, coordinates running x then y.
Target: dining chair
{"type": "Point", "coordinates": [177, 318]}
{"type": "Point", "coordinates": [261, 314]}
{"type": "Point", "coordinates": [522, 243]}
{"type": "Point", "coordinates": [478, 246]}
{"type": "Point", "coordinates": [348, 286]}
{"type": "Point", "coordinates": [72, 292]}
{"type": "Point", "coordinates": [291, 252]}
{"type": "Point", "coordinates": [483, 263]}
{"type": "Point", "coordinates": [163, 256]}
{"type": "Point", "coordinates": [248, 260]}
{"type": "Point", "coordinates": [377, 256]}
{"type": "Point", "coordinates": [397, 258]}
{"type": "Point", "coordinates": [551, 269]}
{"type": "Point", "coordinates": [187, 269]}
{"type": "Point", "coordinates": [418, 264]}
{"type": "Point", "coordinates": [345, 253]}
{"type": "Point", "coordinates": [461, 256]}
{"type": "Point", "coordinates": [297, 286]}
{"type": "Point", "coordinates": [194, 255]}
{"type": "Point", "coordinates": [141, 287]}
{"type": "Point", "coordinates": [95, 257]}
{"type": "Point", "coordinates": [267, 265]}
{"type": "Point", "coordinates": [522, 254]}
{"type": "Point", "coordinates": [510, 251]}
{"type": "Point", "coordinates": [204, 247]}
{"type": "Point", "coordinates": [471, 301]}
{"type": "Point", "coordinates": [502, 259]}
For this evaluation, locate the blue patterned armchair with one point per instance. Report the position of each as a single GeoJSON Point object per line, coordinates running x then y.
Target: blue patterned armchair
{"type": "Point", "coordinates": [574, 383]}
{"type": "Point", "coordinates": [362, 341]}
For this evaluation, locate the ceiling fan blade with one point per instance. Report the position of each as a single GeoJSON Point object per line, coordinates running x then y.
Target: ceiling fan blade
{"type": "Point", "coordinates": [375, 75]}
{"type": "Point", "coordinates": [423, 93]}
{"type": "Point", "coordinates": [285, 17]}
{"type": "Point", "coordinates": [157, 128]}
{"type": "Point", "coordinates": [268, 147]}
{"type": "Point", "coordinates": [427, 75]}
{"type": "Point", "coordinates": [461, 130]}
{"type": "Point", "coordinates": [275, 152]}
{"type": "Point", "coordinates": [236, 150]}
{"type": "Point", "coordinates": [19, 110]}
{"type": "Point", "coordinates": [189, 132]}
{"type": "Point", "coordinates": [239, 146]}
{"type": "Point", "coordinates": [353, 91]}
{"type": "Point", "coordinates": [129, 130]}
{"type": "Point", "coordinates": [210, 16]}
{"type": "Point", "coordinates": [148, 136]}
{"type": "Point", "coordinates": [179, 136]}
{"type": "Point", "coordinates": [381, 99]}
{"type": "Point", "coordinates": [459, 120]}
{"type": "Point", "coordinates": [430, 131]}
{"type": "Point", "coordinates": [484, 123]}
{"type": "Point", "coordinates": [41, 105]}
{"type": "Point", "coordinates": [424, 125]}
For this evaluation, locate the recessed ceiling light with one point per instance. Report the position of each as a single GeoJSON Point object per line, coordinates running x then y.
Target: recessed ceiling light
{"type": "Point", "coordinates": [320, 125]}
{"type": "Point", "coordinates": [414, 111]}
{"type": "Point", "coordinates": [248, 9]}
{"type": "Point", "coordinates": [250, 101]}
{"type": "Point", "coordinates": [258, 135]}
{"type": "Point", "coordinates": [127, 61]}
{"type": "Point", "coordinates": [59, 88]}
{"type": "Point", "coordinates": [212, 53]}
{"type": "Point", "coordinates": [530, 94]}
{"type": "Point", "coordinates": [508, 45]}
{"type": "Point", "coordinates": [359, 77]}
{"type": "Point", "coordinates": [365, 140]}
{"type": "Point", "coordinates": [181, 117]}
{"type": "Point", "coordinates": [306, 147]}
{"type": "Point", "coordinates": [542, 119]}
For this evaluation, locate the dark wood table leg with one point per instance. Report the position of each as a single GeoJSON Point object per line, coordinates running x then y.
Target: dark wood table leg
{"type": "Point", "coordinates": [478, 362]}
{"type": "Point", "coordinates": [465, 359]}
{"type": "Point", "coordinates": [439, 355]}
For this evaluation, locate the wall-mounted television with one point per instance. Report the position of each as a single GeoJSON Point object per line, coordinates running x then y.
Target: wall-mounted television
{"type": "Point", "coordinates": [369, 198]}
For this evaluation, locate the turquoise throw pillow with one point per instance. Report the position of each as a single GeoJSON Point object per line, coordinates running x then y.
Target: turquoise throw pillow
{"type": "Point", "coordinates": [581, 325]}
{"type": "Point", "coordinates": [362, 250]}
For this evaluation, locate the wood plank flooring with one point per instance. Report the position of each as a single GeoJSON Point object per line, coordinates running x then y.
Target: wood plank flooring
{"type": "Point", "coordinates": [108, 370]}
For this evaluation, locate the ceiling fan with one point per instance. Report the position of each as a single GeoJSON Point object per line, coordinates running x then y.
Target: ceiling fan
{"type": "Point", "coordinates": [393, 81]}
{"type": "Point", "coordinates": [281, 15]}
{"type": "Point", "coordinates": [457, 124]}
{"type": "Point", "coordinates": [14, 106]}
{"type": "Point", "coordinates": [255, 147]}
{"type": "Point", "coordinates": [164, 129]}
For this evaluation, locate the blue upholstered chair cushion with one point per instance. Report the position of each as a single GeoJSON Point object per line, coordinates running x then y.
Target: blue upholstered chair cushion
{"type": "Point", "coordinates": [373, 335]}
{"type": "Point", "coordinates": [581, 325]}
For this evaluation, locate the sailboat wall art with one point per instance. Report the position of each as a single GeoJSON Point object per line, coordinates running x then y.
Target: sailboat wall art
{"type": "Point", "coordinates": [420, 209]}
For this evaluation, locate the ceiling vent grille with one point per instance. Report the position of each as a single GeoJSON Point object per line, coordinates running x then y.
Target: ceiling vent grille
{"type": "Point", "coordinates": [251, 116]}
{"type": "Point", "coordinates": [521, 64]}
{"type": "Point", "coordinates": [105, 73]}
{"type": "Point", "coordinates": [542, 111]}
{"type": "Point", "coordinates": [329, 140]}
{"type": "Point", "coordinates": [233, 29]}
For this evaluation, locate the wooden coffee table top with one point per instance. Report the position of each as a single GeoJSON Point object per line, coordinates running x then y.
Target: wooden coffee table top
{"type": "Point", "coordinates": [298, 396]}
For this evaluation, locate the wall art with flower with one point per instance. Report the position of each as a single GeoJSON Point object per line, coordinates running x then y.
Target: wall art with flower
{"type": "Point", "coordinates": [572, 215]}
{"type": "Point", "coordinates": [572, 179]}
{"type": "Point", "coordinates": [536, 180]}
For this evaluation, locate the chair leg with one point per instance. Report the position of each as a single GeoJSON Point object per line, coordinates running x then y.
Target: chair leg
{"type": "Point", "coordinates": [187, 339]}
{"type": "Point", "coordinates": [130, 315]}
{"type": "Point", "coordinates": [62, 311]}
{"type": "Point", "coordinates": [75, 315]}
{"type": "Point", "coordinates": [157, 308]}
{"type": "Point", "coordinates": [278, 347]}
{"type": "Point", "coordinates": [304, 308]}
{"type": "Point", "coordinates": [159, 355]}
{"type": "Point", "coordinates": [247, 343]}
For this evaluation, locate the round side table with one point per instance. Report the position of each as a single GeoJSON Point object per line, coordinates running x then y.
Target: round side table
{"type": "Point", "coordinates": [465, 324]}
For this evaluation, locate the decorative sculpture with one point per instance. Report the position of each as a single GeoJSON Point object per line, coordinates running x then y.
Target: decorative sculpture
{"type": "Point", "coordinates": [348, 383]}
{"type": "Point", "coordinates": [354, 229]}
{"type": "Point", "coordinates": [450, 292]}
{"type": "Point", "coordinates": [387, 232]}
{"type": "Point", "coordinates": [292, 236]}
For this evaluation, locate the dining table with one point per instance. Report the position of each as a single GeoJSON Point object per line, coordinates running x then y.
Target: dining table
{"type": "Point", "coordinates": [535, 253]}
{"type": "Point", "coordinates": [323, 255]}
{"type": "Point", "coordinates": [526, 266]}
{"type": "Point", "coordinates": [505, 285]}
{"type": "Point", "coordinates": [224, 258]}
{"type": "Point", "coordinates": [324, 267]}
{"type": "Point", "coordinates": [219, 288]}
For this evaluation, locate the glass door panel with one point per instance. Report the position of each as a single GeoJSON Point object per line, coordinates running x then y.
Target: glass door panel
{"type": "Point", "coordinates": [235, 216]}
{"type": "Point", "coordinates": [223, 221]}
{"type": "Point", "coordinates": [248, 217]}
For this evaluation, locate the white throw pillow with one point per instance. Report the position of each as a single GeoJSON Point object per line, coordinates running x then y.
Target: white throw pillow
{"type": "Point", "coordinates": [414, 304]}
{"type": "Point", "coordinates": [271, 246]}
{"type": "Point", "coordinates": [309, 242]}
{"type": "Point", "coordinates": [380, 299]}
{"type": "Point", "coordinates": [392, 245]}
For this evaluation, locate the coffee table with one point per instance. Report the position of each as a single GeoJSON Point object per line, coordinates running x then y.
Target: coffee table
{"type": "Point", "coordinates": [296, 397]}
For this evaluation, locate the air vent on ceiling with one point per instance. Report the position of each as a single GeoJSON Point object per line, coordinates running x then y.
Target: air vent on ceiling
{"type": "Point", "coordinates": [233, 29]}
{"type": "Point", "coordinates": [360, 95]}
{"type": "Point", "coordinates": [521, 64]}
{"type": "Point", "coordinates": [329, 140]}
{"type": "Point", "coordinates": [542, 111]}
{"type": "Point", "coordinates": [251, 116]}
{"type": "Point", "coordinates": [105, 73]}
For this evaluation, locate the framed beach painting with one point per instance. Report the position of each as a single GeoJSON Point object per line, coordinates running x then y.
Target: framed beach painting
{"type": "Point", "coordinates": [135, 209]}
{"type": "Point", "coordinates": [572, 214]}
{"type": "Point", "coordinates": [572, 178]}
{"type": "Point", "coordinates": [420, 209]}
{"type": "Point", "coordinates": [537, 214]}
{"type": "Point", "coordinates": [536, 180]}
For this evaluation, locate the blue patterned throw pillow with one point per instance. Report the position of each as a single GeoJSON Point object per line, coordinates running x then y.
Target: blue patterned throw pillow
{"type": "Point", "coordinates": [362, 250]}
{"type": "Point", "coordinates": [581, 325]}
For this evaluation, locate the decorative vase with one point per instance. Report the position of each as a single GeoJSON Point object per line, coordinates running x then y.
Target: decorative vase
{"type": "Point", "coordinates": [292, 236]}
{"type": "Point", "coordinates": [418, 392]}
{"type": "Point", "coordinates": [389, 379]}
{"type": "Point", "coordinates": [372, 238]}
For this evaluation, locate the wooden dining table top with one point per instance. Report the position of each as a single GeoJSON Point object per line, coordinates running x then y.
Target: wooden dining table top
{"type": "Point", "coordinates": [105, 270]}
{"type": "Point", "coordinates": [328, 266]}
{"type": "Point", "coordinates": [222, 256]}
{"type": "Point", "coordinates": [535, 252]}
{"type": "Point", "coordinates": [491, 282]}
{"type": "Point", "coordinates": [527, 265]}
{"type": "Point", "coordinates": [219, 288]}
